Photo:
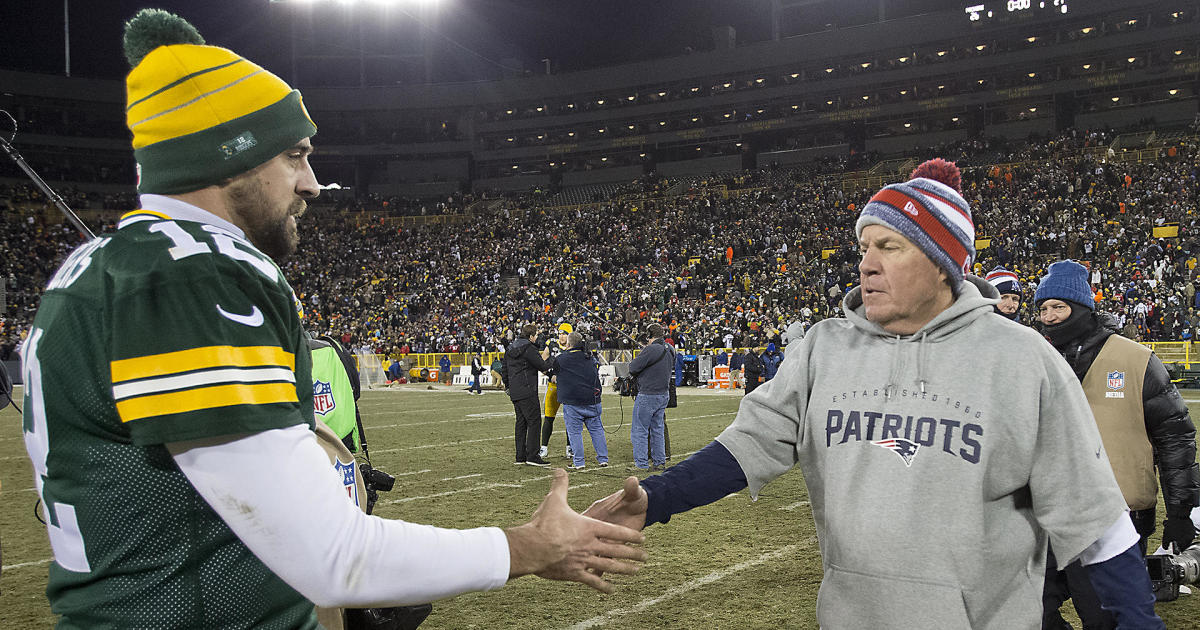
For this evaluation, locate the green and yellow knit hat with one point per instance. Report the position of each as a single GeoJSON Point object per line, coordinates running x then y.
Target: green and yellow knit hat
{"type": "Point", "coordinates": [201, 114]}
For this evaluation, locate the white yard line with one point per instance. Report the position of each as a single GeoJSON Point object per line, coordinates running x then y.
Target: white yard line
{"type": "Point", "coordinates": [486, 486]}
{"type": "Point", "coordinates": [35, 563]}
{"type": "Point", "coordinates": [684, 588]}
{"type": "Point", "coordinates": [462, 477]}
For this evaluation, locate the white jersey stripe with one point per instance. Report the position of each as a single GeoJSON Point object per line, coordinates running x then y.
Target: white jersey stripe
{"type": "Point", "coordinates": [202, 379]}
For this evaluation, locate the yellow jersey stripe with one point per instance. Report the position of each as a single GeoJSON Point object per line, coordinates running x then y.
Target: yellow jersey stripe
{"type": "Point", "coordinates": [139, 213]}
{"type": "Point", "coordinates": [200, 359]}
{"type": "Point", "coordinates": [206, 398]}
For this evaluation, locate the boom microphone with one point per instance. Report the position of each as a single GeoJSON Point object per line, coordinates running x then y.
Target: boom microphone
{"type": "Point", "coordinates": [54, 197]}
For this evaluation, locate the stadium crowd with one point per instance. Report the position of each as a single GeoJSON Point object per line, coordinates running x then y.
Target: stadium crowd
{"type": "Point", "coordinates": [730, 262]}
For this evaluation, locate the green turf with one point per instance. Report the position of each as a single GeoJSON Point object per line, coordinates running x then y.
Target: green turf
{"type": "Point", "coordinates": [733, 564]}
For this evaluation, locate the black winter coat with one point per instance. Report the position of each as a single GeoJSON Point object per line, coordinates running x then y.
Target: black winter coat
{"type": "Point", "coordinates": [523, 362]}
{"type": "Point", "coordinates": [1168, 425]}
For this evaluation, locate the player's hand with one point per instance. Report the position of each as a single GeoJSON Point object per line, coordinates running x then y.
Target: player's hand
{"type": "Point", "coordinates": [561, 544]}
{"type": "Point", "coordinates": [626, 506]}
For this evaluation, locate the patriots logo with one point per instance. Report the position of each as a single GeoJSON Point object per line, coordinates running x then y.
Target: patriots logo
{"type": "Point", "coordinates": [346, 471]}
{"type": "Point", "coordinates": [1116, 380]}
{"type": "Point", "coordinates": [910, 208]}
{"type": "Point", "coordinates": [905, 449]}
{"type": "Point", "coordinates": [323, 401]}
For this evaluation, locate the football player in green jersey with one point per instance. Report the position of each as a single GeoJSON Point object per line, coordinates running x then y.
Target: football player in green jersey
{"type": "Point", "coordinates": [181, 481]}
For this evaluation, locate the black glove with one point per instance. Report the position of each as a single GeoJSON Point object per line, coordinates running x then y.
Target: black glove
{"type": "Point", "coordinates": [1178, 529]}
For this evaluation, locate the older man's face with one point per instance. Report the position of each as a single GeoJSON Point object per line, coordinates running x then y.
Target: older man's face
{"type": "Point", "coordinates": [902, 289]}
{"type": "Point", "coordinates": [1009, 303]}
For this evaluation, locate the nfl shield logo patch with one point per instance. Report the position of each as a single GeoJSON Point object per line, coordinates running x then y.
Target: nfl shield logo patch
{"type": "Point", "coordinates": [323, 401]}
{"type": "Point", "coordinates": [347, 473]}
{"type": "Point", "coordinates": [1116, 380]}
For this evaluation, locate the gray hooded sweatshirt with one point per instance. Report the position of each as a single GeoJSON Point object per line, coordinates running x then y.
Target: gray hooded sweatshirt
{"type": "Point", "coordinates": [938, 464]}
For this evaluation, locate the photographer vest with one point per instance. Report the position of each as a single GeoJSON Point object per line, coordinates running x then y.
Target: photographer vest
{"type": "Point", "coordinates": [333, 396]}
{"type": "Point", "coordinates": [1113, 385]}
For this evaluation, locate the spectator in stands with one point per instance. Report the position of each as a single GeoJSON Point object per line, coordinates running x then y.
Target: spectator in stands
{"type": "Point", "coordinates": [953, 511]}
{"type": "Point", "coordinates": [444, 369]}
{"type": "Point", "coordinates": [1142, 419]}
{"type": "Point", "coordinates": [578, 376]}
{"type": "Point", "coordinates": [771, 359]}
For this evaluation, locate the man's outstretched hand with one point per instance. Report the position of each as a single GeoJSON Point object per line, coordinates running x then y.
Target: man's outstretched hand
{"type": "Point", "coordinates": [626, 506]}
{"type": "Point", "coordinates": [561, 544]}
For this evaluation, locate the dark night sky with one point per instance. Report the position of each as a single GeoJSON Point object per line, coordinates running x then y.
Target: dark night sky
{"type": "Point", "coordinates": [474, 36]}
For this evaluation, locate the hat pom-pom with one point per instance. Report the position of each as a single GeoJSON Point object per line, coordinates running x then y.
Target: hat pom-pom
{"type": "Point", "coordinates": [940, 170]}
{"type": "Point", "coordinates": [152, 28]}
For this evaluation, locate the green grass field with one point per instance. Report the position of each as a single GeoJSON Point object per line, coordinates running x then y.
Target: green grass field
{"type": "Point", "coordinates": [732, 564]}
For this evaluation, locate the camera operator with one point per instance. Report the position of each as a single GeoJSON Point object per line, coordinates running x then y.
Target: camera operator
{"type": "Point", "coordinates": [654, 367]}
{"type": "Point", "coordinates": [522, 362]}
{"type": "Point", "coordinates": [578, 375]}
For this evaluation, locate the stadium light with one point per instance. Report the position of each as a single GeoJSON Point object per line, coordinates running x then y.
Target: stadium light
{"type": "Point", "coordinates": [954, 119]}
{"type": "Point", "coordinates": [570, 105]}
{"type": "Point", "coordinates": [828, 70]}
{"type": "Point", "coordinates": [661, 94]}
{"type": "Point", "coordinates": [1031, 39]}
{"type": "Point", "coordinates": [1172, 92]}
{"type": "Point", "coordinates": [1032, 110]}
{"type": "Point", "coordinates": [641, 155]}
{"type": "Point", "coordinates": [727, 114]}
{"type": "Point", "coordinates": [570, 134]}
{"type": "Point", "coordinates": [866, 97]}
{"type": "Point", "coordinates": [1178, 52]}
{"type": "Point", "coordinates": [795, 75]}
{"type": "Point", "coordinates": [737, 144]}
{"type": "Point", "coordinates": [511, 139]}
{"type": "Point", "coordinates": [541, 136]}
{"type": "Point", "coordinates": [759, 111]}
{"type": "Point", "coordinates": [980, 47]}
{"type": "Point", "coordinates": [726, 84]}
{"type": "Point", "coordinates": [903, 92]}
{"type": "Point", "coordinates": [599, 101]}
{"type": "Point", "coordinates": [1131, 59]}
{"type": "Point", "coordinates": [941, 53]}
{"type": "Point", "coordinates": [794, 107]}
{"type": "Point", "coordinates": [630, 98]}
{"type": "Point", "coordinates": [907, 125]}
{"type": "Point", "coordinates": [604, 159]}
{"type": "Point", "coordinates": [662, 123]}
{"type": "Point", "coordinates": [1087, 66]}
{"type": "Point", "coordinates": [1086, 30]}
{"type": "Point", "coordinates": [1116, 98]}
{"type": "Point", "coordinates": [695, 119]}
{"type": "Point", "coordinates": [540, 108]}
{"type": "Point", "coordinates": [759, 80]}
{"type": "Point", "coordinates": [865, 65]}
{"type": "Point", "coordinates": [941, 87]}
{"type": "Point", "coordinates": [631, 127]}
{"type": "Point", "coordinates": [1031, 75]}
{"type": "Point", "coordinates": [600, 130]}
{"type": "Point", "coordinates": [695, 89]}
{"type": "Point", "coordinates": [829, 102]}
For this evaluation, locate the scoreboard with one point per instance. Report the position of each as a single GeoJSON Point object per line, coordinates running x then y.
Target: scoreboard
{"type": "Point", "coordinates": [995, 11]}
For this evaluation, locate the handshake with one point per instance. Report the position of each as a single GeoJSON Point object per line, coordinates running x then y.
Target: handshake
{"type": "Point", "coordinates": [561, 544]}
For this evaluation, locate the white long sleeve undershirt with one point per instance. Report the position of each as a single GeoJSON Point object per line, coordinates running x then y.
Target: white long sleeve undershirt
{"type": "Point", "coordinates": [278, 493]}
{"type": "Point", "coordinates": [1120, 536]}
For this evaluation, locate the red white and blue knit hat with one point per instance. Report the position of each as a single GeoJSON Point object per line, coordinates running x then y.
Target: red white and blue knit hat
{"type": "Point", "coordinates": [929, 211]}
{"type": "Point", "coordinates": [1004, 280]}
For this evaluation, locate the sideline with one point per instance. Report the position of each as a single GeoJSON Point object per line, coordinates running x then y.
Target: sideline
{"type": "Point", "coordinates": [687, 587]}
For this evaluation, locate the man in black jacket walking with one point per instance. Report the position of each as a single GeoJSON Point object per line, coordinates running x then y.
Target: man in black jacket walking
{"type": "Point", "coordinates": [1142, 420]}
{"type": "Point", "coordinates": [522, 364]}
{"type": "Point", "coordinates": [752, 366]}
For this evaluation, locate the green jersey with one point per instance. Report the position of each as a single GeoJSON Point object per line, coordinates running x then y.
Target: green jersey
{"type": "Point", "coordinates": [165, 330]}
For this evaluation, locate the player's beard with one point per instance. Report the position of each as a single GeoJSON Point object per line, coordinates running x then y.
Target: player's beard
{"type": "Point", "coordinates": [271, 229]}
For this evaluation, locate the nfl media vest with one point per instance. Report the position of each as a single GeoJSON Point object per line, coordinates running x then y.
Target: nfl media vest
{"type": "Point", "coordinates": [333, 396]}
{"type": "Point", "coordinates": [1113, 386]}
